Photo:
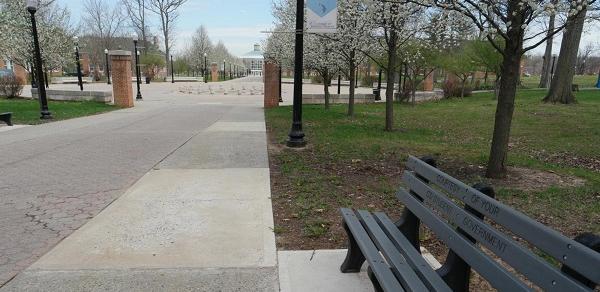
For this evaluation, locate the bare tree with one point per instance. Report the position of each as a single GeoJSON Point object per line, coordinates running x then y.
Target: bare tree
{"type": "Point", "coordinates": [104, 24]}
{"type": "Point", "coordinates": [167, 11]}
{"type": "Point", "coordinates": [561, 86]}
{"type": "Point", "coordinates": [136, 10]}
{"type": "Point", "coordinates": [583, 57]}
{"type": "Point", "coordinates": [103, 21]}
{"type": "Point", "coordinates": [546, 67]}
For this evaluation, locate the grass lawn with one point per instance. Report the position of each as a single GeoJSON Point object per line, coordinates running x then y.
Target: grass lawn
{"type": "Point", "coordinates": [28, 111]}
{"type": "Point", "coordinates": [554, 158]}
{"type": "Point", "coordinates": [584, 81]}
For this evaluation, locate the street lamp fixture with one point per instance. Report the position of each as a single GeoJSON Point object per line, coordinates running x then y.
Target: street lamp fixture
{"type": "Point", "coordinates": [205, 68]}
{"type": "Point", "coordinates": [32, 6]}
{"type": "Point", "coordinates": [296, 135]}
{"type": "Point", "coordinates": [107, 67]}
{"type": "Point", "coordinates": [137, 67]}
{"type": "Point", "coordinates": [78, 62]}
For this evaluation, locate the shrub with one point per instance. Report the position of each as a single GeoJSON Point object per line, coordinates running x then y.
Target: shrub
{"type": "Point", "coordinates": [316, 79]}
{"type": "Point", "coordinates": [368, 81]}
{"type": "Point", "coordinates": [454, 89]}
{"type": "Point", "coordinates": [11, 86]}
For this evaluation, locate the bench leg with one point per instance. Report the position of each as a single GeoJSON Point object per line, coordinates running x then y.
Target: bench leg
{"type": "Point", "coordinates": [455, 271]}
{"type": "Point", "coordinates": [593, 242]}
{"type": "Point", "coordinates": [373, 279]}
{"type": "Point", "coordinates": [354, 258]}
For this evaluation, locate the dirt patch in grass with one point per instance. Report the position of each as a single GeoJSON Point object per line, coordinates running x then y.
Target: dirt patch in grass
{"type": "Point", "coordinates": [306, 203]}
{"type": "Point", "coordinates": [517, 178]}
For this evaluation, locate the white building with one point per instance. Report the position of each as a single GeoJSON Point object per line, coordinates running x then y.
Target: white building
{"type": "Point", "coordinates": [254, 60]}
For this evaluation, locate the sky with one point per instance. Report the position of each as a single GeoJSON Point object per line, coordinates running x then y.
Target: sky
{"type": "Point", "coordinates": [238, 23]}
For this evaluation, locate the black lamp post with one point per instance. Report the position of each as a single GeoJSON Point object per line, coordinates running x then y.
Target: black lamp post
{"type": "Point", "coordinates": [205, 68]}
{"type": "Point", "coordinates": [32, 6]}
{"type": "Point", "coordinates": [296, 136]}
{"type": "Point", "coordinates": [378, 96]}
{"type": "Point", "coordinates": [224, 72]}
{"type": "Point", "coordinates": [172, 71]}
{"type": "Point", "coordinates": [339, 91]}
{"type": "Point", "coordinates": [280, 81]}
{"type": "Point", "coordinates": [107, 67]}
{"type": "Point", "coordinates": [79, 77]}
{"type": "Point", "coordinates": [137, 68]}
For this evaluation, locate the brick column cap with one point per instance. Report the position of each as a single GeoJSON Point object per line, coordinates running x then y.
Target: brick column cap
{"type": "Point", "coordinates": [119, 53]}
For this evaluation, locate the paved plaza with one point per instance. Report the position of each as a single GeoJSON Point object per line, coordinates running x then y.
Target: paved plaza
{"type": "Point", "coordinates": [171, 195]}
{"type": "Point", "coordinates": [60, 175]}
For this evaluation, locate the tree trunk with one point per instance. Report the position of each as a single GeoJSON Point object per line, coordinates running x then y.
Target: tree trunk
{"type": "Point", "coordinates": [352, 69]}
{"type": "Point", "coordinates": [546, 67]}
{"type": "Point", "coordinates": [511, 66]}
{"type": "Point", "coordinates": [391, 76]}
{"type": "Point", "coordinates": [326, 82]}
{"type": "Point", "coordinates": [561, 88]}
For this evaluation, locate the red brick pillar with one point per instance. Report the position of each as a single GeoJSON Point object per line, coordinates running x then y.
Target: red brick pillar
{"type": "Point", "coordinates": [214, 72]}
{"type": "Point", "coordinates": [428, 82]}
{"type": "Point", "coordinates": [121, 78]}
{"type": "Point", "coordinates": [271, 77]}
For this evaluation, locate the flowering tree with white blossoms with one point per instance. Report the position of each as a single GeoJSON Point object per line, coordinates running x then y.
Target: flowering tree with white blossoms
{"type": "Point", "coordinates": [54, 32]}
{"type": "Point", "coordinates": [393, 24]}
{"type": "Point", "coordinates": [351, 40]}
{"type": "Point", "coordinates": [506, 25]}
{"type": "Point", "coordinates": [321, 57]}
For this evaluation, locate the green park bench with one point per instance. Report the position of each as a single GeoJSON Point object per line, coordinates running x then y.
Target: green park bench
{"type": "Point", "coordinates": [7, 118]}
{"type": "Point", "coordinates": [392, 249]}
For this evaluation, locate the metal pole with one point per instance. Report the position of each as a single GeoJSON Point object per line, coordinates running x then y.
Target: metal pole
{"type": "Point", "coordinates": [296, 135]}
{"type": "Point", "coordinates": [598, 84]}
{"type": "Point", "coordinates": [378, 97]}
{"type": "Point", "coordinates": [137, 71]}
{"type": "Point", "coordinates": [205, 70]}
{"type": "Point", "coordinates": [172, 71]}
{"type": "Point", "coordinates": [32, 74]}
{"type": "Point", "coordinates": [552, 71]}
{"type": "Point", "coordinates": [356, 79]}
{"type": "Point", "coordinates": [339, 83]}
{"type": "Point", "coordinates": [280, 87]}
{"type": "Point", "coordinates": [46, 76]}
{"type": "Point", "coordinates": [224, 72]}
{"type": "Point", "coordinates": [45, 113]}
{"type": "Point", "coordinates": [79, 78]}
{"type": "Point", "coordinates": [107, 70]}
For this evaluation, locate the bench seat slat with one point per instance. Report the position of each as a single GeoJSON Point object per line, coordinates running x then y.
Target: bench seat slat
{"type": "Point", "coordinates": [404, 272]}
{"type": "Point", "coordinates": [414, 258]}
{"type": "Point", "coordinates": [523, 260]}
{"type": "Point", "coordinates": [565, 250]}
{"type": "Point", "coordinates": [499, 277]}
{"type": "Point", "coordinates": [381, 269]}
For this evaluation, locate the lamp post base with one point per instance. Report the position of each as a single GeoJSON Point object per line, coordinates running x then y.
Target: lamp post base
{"type": "Point", "coordinates": [46, 115]}
{"type": "Point", "coordinates": [138, 96]}
{"type": "Point", "coordinates": [296, 139]}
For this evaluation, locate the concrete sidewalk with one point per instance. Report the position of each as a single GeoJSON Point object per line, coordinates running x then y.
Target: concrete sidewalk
{"type": "Point", "coordinates": [199, 220]}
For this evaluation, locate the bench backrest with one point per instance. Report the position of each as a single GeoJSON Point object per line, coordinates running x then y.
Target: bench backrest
{"type": "Point", "coordinates": [453, 210]}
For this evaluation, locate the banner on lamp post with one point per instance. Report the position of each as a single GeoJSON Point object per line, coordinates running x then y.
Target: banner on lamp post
{"type": "Point", "coordinates": [321, 16]}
